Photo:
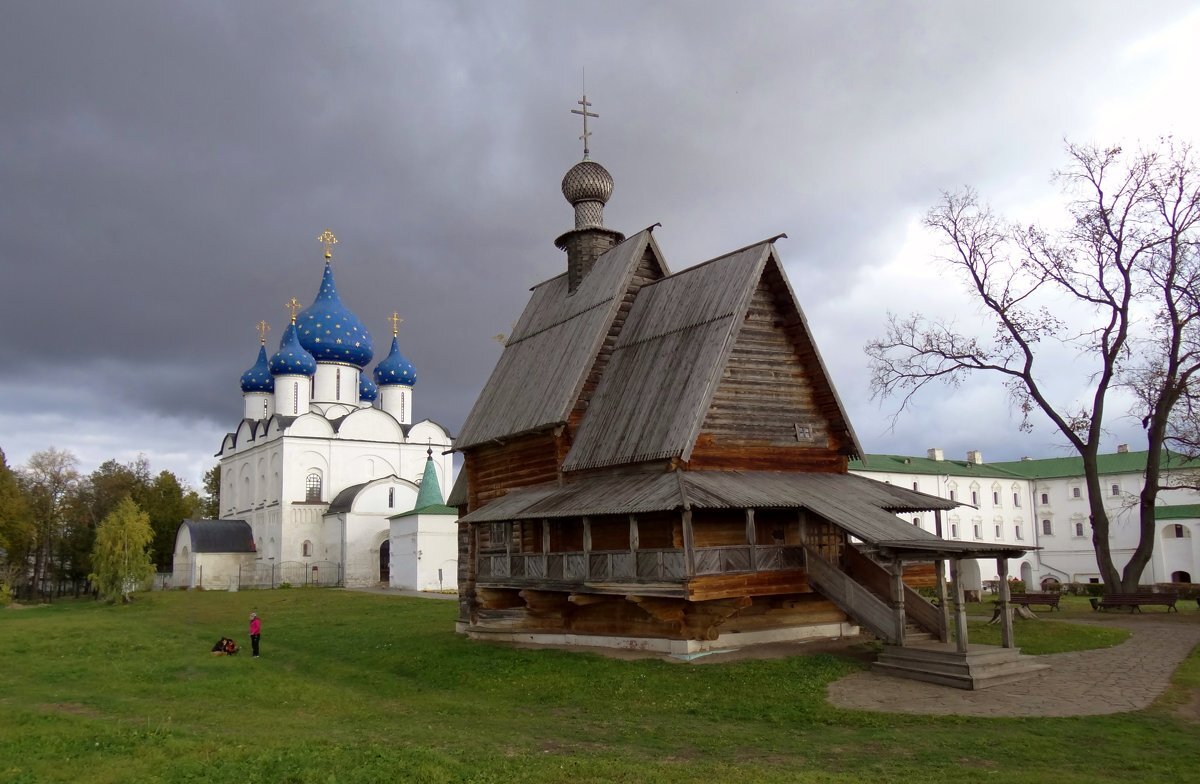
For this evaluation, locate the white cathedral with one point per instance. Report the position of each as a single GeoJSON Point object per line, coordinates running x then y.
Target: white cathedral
{"type": "Point", "coordinates": [326, 477]}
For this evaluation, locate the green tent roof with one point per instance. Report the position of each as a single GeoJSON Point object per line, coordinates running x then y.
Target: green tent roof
{"type": "Point", "coordinates": [429, 496]}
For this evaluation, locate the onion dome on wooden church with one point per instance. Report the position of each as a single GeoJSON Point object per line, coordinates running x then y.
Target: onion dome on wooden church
{"type": "Point", "coordinates": [367, 391]}
{"type": "Point", "coordinates": [328, 329]}
{"type": "Point", "coordinates": [291, 359]}
{"type": "Point", "coordinates": [258, 378]}
{"type": "Point", "coordinates": [395, 369]}
{"type": "Point", "coordinates": [587, 186]}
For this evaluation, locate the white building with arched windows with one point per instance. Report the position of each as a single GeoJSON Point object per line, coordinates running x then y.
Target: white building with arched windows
{"type": "Point", "coordinates": [1044, 503]}
{"type": "Point", "coordinates": [325, 452]}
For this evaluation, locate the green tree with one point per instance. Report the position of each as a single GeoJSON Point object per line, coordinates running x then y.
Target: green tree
{"type": "Point", "coordinates": [167, 503]}
{"type": "Point", "coordinates": [1129, 257]}
{"type": "Point", "coordinates": [121, 556]}
{"type": "Point", "coordinates": [211, 507]}
{"type": "Point", "coordinates": [16, 529]}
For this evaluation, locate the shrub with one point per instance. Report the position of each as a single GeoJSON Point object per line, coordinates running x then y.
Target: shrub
{"type": "Point", "coordinates": [284, 585]}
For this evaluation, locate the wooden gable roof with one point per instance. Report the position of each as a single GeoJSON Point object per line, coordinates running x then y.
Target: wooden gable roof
{"type": "Point", "coordinates": [538, 378]}
{"type": "Point", "coordinates": [670, 359]}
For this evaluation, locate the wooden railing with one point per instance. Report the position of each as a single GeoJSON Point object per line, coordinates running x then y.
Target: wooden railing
{"type": "Point", "coordinates": [853, 599]}
{"type": "Point", "coordinates": [660, 565]}
{"type": "Point", "coordinates": [874, 577]}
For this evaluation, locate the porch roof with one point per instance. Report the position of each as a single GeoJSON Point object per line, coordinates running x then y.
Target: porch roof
{"type": "Point", "coordinates": [864, 507]}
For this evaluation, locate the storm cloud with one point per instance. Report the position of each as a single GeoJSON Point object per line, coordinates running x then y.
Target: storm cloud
{"type": "Point", "coordinates": [167, 167]}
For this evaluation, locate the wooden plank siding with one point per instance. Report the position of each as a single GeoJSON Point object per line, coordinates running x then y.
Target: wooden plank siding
{"type": "Point", "coordinates": [766, 413]}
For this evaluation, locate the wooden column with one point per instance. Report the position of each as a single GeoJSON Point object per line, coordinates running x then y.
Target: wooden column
{"type": "Point", "coordinates": [960, 606]}
{"type": "Point", "coordinates": [545, 548]}
{"type": "Point", "coordinates": [689, 545]}
{"type": "Point", "coordinates": [939, 571]}
{"type": "Point", "coordinates": [1006, 619]}
{"type": "Point", "coordinates": [896, 567]}
{"type": "Point", "coordinates": [634, 542]}
{"type": "Point", "coordinates": [752, 539]}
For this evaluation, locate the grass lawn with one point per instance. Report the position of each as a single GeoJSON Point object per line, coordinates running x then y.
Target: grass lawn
{"type": "Point", "coordinates": [365, 688]}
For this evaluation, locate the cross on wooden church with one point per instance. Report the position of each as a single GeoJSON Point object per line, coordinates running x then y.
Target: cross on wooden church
{"type": "Point", "coordinates": [586, 114]}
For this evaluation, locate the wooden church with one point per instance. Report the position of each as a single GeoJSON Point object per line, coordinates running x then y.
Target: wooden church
{"type": "Point", "coordinates": [659, 462]}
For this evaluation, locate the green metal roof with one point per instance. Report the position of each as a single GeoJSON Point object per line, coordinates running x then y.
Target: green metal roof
{"type": "Point", "coordinates": [906, 464]}
{"type": "Point", "coordinates": [1059, 467]}
{"type": "Point", "coordinates": [431, 509]}
{"type": "Point", "coordinates": [1181, 512]}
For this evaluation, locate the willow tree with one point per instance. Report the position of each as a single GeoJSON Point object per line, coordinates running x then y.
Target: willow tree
{"type": "Point", "coordinates": [121, 556]}
{"type": "Point", "coordinates": [1118, 286]}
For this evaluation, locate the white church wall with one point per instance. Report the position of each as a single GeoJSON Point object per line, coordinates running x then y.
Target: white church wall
{"type": "Point", "coordinates": [310, 425]}
{"type": "Point", "coordinates": [363, 536]}
{"type": "Point", "coordinates": [336, 383]}
{"type": "Point", "coordinates": [371, 424]}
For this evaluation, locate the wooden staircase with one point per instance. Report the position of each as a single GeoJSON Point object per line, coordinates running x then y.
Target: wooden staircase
{"type": "Point", "coordinates": [860, 590]}
{"type": "Point", "coordinates": [980, 667]}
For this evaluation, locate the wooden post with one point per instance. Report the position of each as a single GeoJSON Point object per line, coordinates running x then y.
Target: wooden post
{"type": "Point", "coordinates": [587, 535]}
{"type": "Point", "coordinates": [960, 606]}
{"type": "Point", "coordinates": [939, 571]}
{"type": "Point", "coordinates": [752, 539]}
{"type": "Point", "coordinates": [689, 545]}
{"type": "Point", "coordinates": [1006, 619]}
{"type": "Point", "coordinates": [633, 533]}
{"type": "Point", "coordinates": [545, 548]}
{"type": "Point", "coordinates": [896, 567]}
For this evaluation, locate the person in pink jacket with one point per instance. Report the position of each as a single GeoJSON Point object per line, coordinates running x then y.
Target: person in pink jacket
{"type": "Point", "coordinates": [255, 632]}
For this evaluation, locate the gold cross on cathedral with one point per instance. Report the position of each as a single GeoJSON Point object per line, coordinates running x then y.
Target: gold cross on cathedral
{"type": "Point", "coordinates": [263, 327]}
{"type": "Point", "coordinates": [586, 114]}
{"type": "Point", "coordinates": [328, 240]}
{"type": "Point", "coordinates": [293, 306]}
{"type": "Point", "coordinates": [396, 322]}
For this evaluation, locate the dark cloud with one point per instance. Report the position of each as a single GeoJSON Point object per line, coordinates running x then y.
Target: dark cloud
{"type": "Point", "coordinates": [167, 167]}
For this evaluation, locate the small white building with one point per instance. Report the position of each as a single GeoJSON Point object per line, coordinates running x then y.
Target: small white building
{"type": "Point", "coordinates": [326, 452]}
{"type": "Point", "coordinates": [424, 540]}
{"type": "Point", "coordinates": [1044, 502]}
{"type": "Point", "coordinates": [213, 554]}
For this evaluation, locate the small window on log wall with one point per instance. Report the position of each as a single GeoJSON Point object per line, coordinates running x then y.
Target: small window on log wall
{"type": "Point", "coordinates": [495, 536]}
{"type": "Point", "coordinates": [660, 531]}
{"type": "Point", "coordinates": [718, 527]}
{"type": "Point", "coordinates": [566, 536]}
{"type": "Point", "coordinates": [610, 533]}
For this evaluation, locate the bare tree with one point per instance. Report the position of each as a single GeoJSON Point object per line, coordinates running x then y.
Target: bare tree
{"type": "Point", "coordinates": [1129, 260]}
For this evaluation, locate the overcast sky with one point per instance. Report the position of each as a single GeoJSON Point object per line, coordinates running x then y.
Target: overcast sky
{"type": "Point", "coordinates": [166, 168]}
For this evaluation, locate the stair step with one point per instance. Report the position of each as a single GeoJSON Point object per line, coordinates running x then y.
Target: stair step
{"type": "Point", "coordinates": [1017, 671]}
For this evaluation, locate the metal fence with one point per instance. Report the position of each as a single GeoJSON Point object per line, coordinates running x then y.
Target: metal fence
{"type": "Point", "coordinates": [287, 574]}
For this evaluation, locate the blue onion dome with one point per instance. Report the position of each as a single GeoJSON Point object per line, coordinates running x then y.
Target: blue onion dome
{"type": "Point", "coordinates": [292, 359]}
{"type": "Point", "coordinates": [330, 332]}
{"type": "Point", "coordinates": [367, 391]}
{"type": "Point", "coordinates": [395, 369]}
{"type": "Point", "coordinates": [258, 378]}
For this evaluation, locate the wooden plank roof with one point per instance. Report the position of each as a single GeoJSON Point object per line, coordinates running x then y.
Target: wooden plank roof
{"type": "Point", "coordinates": [545, 361]}
{"type": "Point", "coordinates": [667, 363]}
{"type": "Point", "coordinates": [862, 506]}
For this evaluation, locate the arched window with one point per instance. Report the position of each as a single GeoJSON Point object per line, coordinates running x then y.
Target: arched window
{"type": "Point", "coordinates": [1176, 531]}
{"type": "Point", "coordinates": [312, 488]}
{"type": "Point", "coordinates": [917, 521]}
{"type": "Point", "coordinates": [1046, 528]}
{"type": "Point", "coordinates": [391, 498]}
{"type": "Point", "coordinates": [1045, 498]}
{"type": "Point", "coordinates": [1079, 529]}
{"type": "Point", "coordinates": [1180, 577]}
{"type": "Point", "coordinates": [306, 549]}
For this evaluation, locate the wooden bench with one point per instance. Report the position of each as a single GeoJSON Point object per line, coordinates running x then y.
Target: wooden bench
{"type": "Point", "coordinates": [1026, 599]}
{"type": "Point", "coordinates": [1135, 601]}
